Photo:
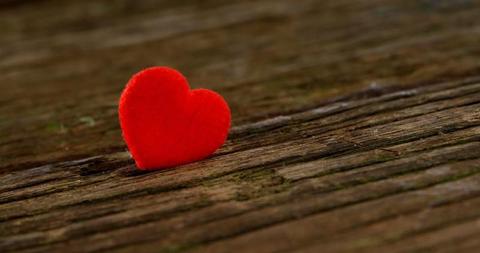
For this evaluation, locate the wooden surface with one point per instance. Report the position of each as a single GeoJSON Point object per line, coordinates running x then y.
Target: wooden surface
{"type": "Point", "coordinates": [356, 126]}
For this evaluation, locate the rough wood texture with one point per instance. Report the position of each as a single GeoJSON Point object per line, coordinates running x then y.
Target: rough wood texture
{"type": "Point", "coordinates": [356, 126]}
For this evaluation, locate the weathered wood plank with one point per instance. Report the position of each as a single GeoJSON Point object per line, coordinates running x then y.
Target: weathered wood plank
{"type": "Point", "coordinates": [356, 127]}
{"type": "Point", "coordinates": [310, 148]}
{"type": "Point", "coordinates": [407, 130]}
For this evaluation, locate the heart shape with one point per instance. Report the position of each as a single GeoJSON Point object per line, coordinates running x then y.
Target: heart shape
{"type": "Point", "coordinates": [165, 124]}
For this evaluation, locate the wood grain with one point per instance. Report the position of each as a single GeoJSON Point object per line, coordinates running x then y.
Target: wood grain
{"type": "Point", "coordinates": [356, 126]}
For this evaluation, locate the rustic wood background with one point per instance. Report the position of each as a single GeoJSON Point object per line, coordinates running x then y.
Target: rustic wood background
{"type": "Point", "coordinates": [356, 126]}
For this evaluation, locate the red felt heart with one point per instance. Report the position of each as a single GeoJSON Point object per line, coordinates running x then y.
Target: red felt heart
{"type": "Point", "coordinates": [165, 124]}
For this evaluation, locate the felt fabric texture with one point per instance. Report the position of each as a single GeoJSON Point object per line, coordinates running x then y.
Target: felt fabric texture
{"type": "Point", "coordinates": [166, 124]}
